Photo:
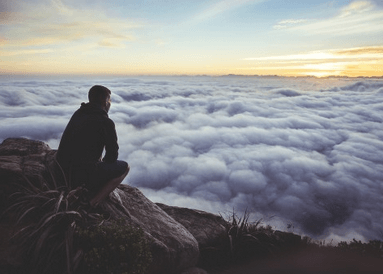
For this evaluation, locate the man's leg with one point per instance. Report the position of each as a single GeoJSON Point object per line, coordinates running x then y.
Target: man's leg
{"type": "Point", "coordinates": [108, 188]}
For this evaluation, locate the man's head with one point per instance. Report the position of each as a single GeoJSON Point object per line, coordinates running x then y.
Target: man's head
{"type": "Point", "coordinates": [100, 95]}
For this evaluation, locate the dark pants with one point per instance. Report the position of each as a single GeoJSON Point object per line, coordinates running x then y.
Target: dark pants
{"type": "Point", "coordinates": [94, 177]}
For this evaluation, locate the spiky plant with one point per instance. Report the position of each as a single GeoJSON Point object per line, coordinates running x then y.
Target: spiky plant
{"type": "Point", "coordinates": [55, 230]}
{"type": "Point", "coordinates": [46, 216]}
{"type": "Point", "coordinates": [247, 239]}
{"type": "Point", "coordinates": [242, 241]}
{"type": "Point", "coordinates": [45, 222]}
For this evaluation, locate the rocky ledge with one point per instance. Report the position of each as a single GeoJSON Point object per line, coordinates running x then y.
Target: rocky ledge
{"type": "Point", "coordinates": [175, 233]}
{"type": "Point", "coordinates": [180, 238]}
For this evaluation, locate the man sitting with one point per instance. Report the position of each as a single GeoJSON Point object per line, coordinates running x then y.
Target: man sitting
{"type": "Point", "coordinates": [88, 132]}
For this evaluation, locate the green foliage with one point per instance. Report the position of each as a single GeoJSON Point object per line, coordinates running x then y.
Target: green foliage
{"type": "Point", "coordinates": [248, 239]}
{"type": "Point", "coordinates": [50, 217]}
{"type": "Point", "coordinates": [45, 222]}
{"type": "Point", "coordinates": [242, 241]}
{"type": "Point", "coordinates": [113, 248]}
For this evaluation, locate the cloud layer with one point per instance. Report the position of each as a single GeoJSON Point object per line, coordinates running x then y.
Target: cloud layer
{"type": "Point", "coordinates": [305, 152]}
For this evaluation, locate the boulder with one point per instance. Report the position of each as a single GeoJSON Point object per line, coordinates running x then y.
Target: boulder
{"type": "Point", "coordinates": [23, 163]}
{"type": "Point", "coordinates": [173, 247]}
{"type": "Point", "coordinates": [207, 228]}
{"type": "Point", "coordinates": [27, 163]}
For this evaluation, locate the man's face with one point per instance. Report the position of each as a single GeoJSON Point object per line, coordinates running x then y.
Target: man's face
{"type": "Point", "coordinates": [107, 104]}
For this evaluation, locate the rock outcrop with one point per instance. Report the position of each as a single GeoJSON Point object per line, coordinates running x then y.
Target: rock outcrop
{"type": "Point", "coordinates": [27, 163]}
{"type": "Point", "coordinates": [207, 228]}
{"type": "Point", "coordinates": [180, 238]}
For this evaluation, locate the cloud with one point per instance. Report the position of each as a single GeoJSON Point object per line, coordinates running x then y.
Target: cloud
{"type": "Point", "coordinates": [362, 51]}
{"type": "Point", "coordinates": [286, 23]}
{"type": "Point", "coordinates": [359, 17]}
{"type": "Point", "coordinates": [25, 52]}
{"type": "Point", "coordinates": [221, 6]}
{"type": "Point", "coordinates": [375, 52]}
{"type": "Point", "coordinates": [328, 62]}
{"type": "Point", "coordinates": [302, 151]}
{"type": "Point", "coordinates": [55, 23]}
{"type": "Point", "coordinates": [6, 5]}
{"type": "Point", "coordinates": [112, 43]}
{"type": "Point", "coordinates": [357, 7]}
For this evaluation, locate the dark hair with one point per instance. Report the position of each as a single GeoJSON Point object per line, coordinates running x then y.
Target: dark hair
{"type": "Point", "coordinates": [98, 94]}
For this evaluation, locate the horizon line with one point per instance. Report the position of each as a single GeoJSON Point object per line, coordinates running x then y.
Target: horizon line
{"type": "Point", "coordinates": [179, 75]}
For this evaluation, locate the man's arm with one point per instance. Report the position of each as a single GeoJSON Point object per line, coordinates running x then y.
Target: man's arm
{"type": "Point", "coordinates": [111, 145]}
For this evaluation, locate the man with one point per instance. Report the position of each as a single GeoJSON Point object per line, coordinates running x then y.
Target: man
{"type": "Point", "coordinates": [88, 132]}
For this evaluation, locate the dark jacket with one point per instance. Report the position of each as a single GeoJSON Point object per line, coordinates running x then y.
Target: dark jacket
{"type": "Point", "coordinates": [88, 132]}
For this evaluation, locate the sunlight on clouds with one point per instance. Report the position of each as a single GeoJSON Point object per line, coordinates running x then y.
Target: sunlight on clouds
{"type": "Point", "coordinates": [324, 69]}
{"type": "Point", "coordinates": [56, 23]}
{"type": "Point", "coordinates": [327, 66]}
{"type": "Point", "coordinates": [305, 56]}
{"type": "Point", "coordinates": [361, 51]}
{"type": "Point", "coordinates": [357, 7]}
{"type": "Point", "coordinates": [324, 63]}
{"type": "Point", "coordinates": [123, 37]}
{"type": "Point", "coordinates": [321, 74]}
{"type": "Point", "coordinates": [50, 37]}
{"type": "Point", "coordinates": [352, 53]}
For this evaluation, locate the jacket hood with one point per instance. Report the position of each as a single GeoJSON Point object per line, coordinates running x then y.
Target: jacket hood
{"type": "Point", "coordinates": [92, 108]}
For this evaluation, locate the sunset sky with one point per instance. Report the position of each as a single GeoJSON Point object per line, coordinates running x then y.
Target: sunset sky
{"type": "Point", "coordinates": [214, 37]}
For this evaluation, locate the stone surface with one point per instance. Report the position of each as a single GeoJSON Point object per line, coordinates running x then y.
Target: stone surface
{"type": "Point", "coordinates": [23, 163]}
{"type": "Point", "coordinates": [26, 163]}
{"type": "Point", "coordinates": [194, 270]}
{"type": "Point", "coordinates": [174, 246]}
{"type": "Point", "coordinates": [207, 228]}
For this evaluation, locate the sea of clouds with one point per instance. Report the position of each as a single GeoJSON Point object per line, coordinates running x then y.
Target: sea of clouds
{"type": "Point", "coordinates": [302, 154]}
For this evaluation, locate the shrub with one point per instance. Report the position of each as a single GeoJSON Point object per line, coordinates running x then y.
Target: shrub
{"type": "Point", "coordinates": [372, 248]}
{"type": "Point", "coordinates": [44, 228]}
{"type": "Point", "coordinates": [113, 248]}
{"type": "Point", "coordinates": [49, 221]}
{"type": "Point", "coordinates": [247, 239]}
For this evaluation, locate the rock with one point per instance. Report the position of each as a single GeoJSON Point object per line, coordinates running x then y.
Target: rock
{"type": "Point", "coordinates": [194, 270]}
{"type": "Point", "coordinates": [288, 240]}
{"type": "Point", "coordinates": [27, 163]}
{"type": "Point", "coordinates": [210, 231]}
{"type": "Point", "coordinates": [207, 228]}
{"type": "Point", "coordinates": [174, 247]}
{"type": "Point", "coordinates": [23, 163]}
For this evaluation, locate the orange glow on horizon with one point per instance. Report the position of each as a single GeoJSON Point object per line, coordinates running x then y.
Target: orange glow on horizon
{"type": "Point", "coordinates": [134, 38]}
{"type": "Point", "coordinates": [354, 62]}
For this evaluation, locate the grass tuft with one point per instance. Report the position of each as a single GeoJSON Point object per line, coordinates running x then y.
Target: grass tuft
{"type": "Point", "coordinates": [56, 232]}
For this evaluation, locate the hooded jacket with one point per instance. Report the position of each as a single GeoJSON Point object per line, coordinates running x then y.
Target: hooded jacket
{"type": "Point", "coordinates": [88, 132]}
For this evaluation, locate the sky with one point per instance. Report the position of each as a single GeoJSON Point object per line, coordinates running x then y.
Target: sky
{"type": "Point", "coordinates": [213, 37]}
{"type": "Point", "coordinates": [304, 155]}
